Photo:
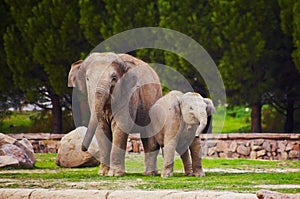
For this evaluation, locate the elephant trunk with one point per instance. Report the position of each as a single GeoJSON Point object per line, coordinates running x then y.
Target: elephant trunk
{"type": "Point", "coordinates": [101, 97]}
{"type": "Point", "coordinates": [201, 126]}
{"type": "Point", "coordinates": [89, 133]}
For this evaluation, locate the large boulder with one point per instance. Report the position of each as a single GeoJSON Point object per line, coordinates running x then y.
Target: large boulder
{"type": "Point", "coordinates": [70, 154]}
{"type": "Point", "coordinates": [16, 153]}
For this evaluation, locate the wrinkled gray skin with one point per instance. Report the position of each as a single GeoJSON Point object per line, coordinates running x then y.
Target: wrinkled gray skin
{"type": "Point", "coordinates": [83, 76]}
{"type": "Point", "coordinates": [177, 120]}
{"type": "Point", "coordinates": [126, 88]}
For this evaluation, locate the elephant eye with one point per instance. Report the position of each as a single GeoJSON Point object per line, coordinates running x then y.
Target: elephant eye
{"type": "Point", "coordinates": [114, 77]}
{"type": "Point", "coordinates": [191, 108]}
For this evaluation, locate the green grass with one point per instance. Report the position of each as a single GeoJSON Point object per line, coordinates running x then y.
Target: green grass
{"type": "Point", "coordinates": [47, 175]}
{"type": "Point", "coordinates": [14, 121]}
{"type": "Point", "coordinates": [32, 122]}
{"type": "Point", "coordinates": [237, 120]}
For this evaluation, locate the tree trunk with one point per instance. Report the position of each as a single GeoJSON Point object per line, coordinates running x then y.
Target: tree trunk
{"type": "Point", "coordinates": [256, 117]}
{"type": "Point", "coordinates": [289, 119]}
{"type": "Point", "coordinates": [56, 114]}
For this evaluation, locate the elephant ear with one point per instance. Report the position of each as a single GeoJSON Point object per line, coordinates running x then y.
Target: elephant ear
{"type": "Point", "coordinates": [128, 65]}
{"type": "Point", "coordinates": [210, 109]}
{"type": "Point", "coordinates": [75, 67]}
{"type": "Point", "coordinates": [124, 90]}
{"type": "Point", "coordinates": [176, 103]}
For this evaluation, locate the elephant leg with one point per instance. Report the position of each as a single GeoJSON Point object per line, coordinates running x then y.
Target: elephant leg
{"type": "Point", "coordinates": [151, 150]}
{"type": "Point", "coordinates": [103, 136]}
{"type": "Point", "coordinates": [169, 153]}
{"type": "Point", "coordinates": [187, 163]}
{"type": "Point", "coordinates": [195, 148]}
{"type": "Point", "coordinates": [118, 151]}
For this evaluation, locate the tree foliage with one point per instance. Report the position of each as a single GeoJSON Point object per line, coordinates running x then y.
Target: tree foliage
{"type": "Point", "coordinates": [10, 95]}
{"type": "Point", "coordinates": [40, 44]}
{"type": "Point", "coordinates": [256, 45]}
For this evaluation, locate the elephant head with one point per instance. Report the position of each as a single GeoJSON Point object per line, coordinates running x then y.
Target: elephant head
{"type": "Point", "coordinates": [113, 70]}
{"type": "Point", "coordinates": [84, 76]}
{"type": "Point", "coordinates": [195, 109]}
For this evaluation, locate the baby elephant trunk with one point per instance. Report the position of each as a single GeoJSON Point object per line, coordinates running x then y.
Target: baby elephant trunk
{"type": "Point", "coordinates": [201, 127]}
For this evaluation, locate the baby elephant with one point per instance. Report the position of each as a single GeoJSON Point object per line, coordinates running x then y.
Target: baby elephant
{"type": "Point", "coordinates": [177, 120]}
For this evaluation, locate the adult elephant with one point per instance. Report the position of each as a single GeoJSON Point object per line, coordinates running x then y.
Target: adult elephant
{"type": "Point", "coordinates": [126, 89]}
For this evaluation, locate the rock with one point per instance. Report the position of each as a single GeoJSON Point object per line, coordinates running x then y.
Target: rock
{"type": "Point", "coordinates": [289, 146]}
{"type": "Point", "coordinates": [267, 146]}
{"type": "Point", "coordinates": [243, 150]}
{"type": "Point", "coordinates": [223, 155]}
{"type": "Point", "coordinates": [5, 139]}
{"type": "Point", "coordinates": [256, 148]}
{"type": "Point", "coordinates": [273, 145]}
{"type": "Point", "coordinates": [294, 154]}
{"type": "Point", "coordinates": [257, 142]}
{"type": "Point", "coordinates": [296, 146]}
{"type": "Point", "coordinates": [6, 160]}
{"type": "Point", "coordinates": [266, 194]}
{"type": "Point", "coordinates": [16, 153]}
{"type": "Point", "coordinates": [248, 143]}
{"type": "Point", "coordinates": [129, 147]}
{"type": "Point", "coordinates": [51, 146]}
{"type": "Point", "coordinates": [282, 145]}
{"type": "Point", "coordinates": [232, 146]}
{"type": "Point", "coordinates": [235, 155]}
{"type": "Point", "coordinates": [261, 153]}
{"type": "Point", "coordinates": [222, 146]}
{"type": "Point", "coordinates": [283, 156]}
{"type": "Point", "coordinates": [253, 155]}
{"type": "Point", "coordinates": [70, 153]}
{"type": "Point", "coordinates": [210, 143]}
{"type": "Point", "coordinates": [204, 150]}
{"type": "Point", "coordinates": [211, 151]}
{"type": "Point", "coordinates": [136, 147]}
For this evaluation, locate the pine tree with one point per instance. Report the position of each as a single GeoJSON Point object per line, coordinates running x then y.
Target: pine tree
{"type": "Point", "coordinates": [40, 45]}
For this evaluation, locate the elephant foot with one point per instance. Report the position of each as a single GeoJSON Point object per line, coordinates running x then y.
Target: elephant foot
{"type": "Point", "coordinates": [103, 170]}
{"type": "Point", "coordinates": [189, 174]}
{"type": "Point", "coordinates": [151, 173]}
{"type": "Point", "coordinates": [199, 173]}
{"type": "Point", "coordinates": [115, 172]}
{"type": "Point", "coordinates": [167, 173]}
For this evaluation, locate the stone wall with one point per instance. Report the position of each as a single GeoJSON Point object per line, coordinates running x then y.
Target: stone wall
{"type": "Point", "coordinates": [269, 146]}
{"type": "Point", "coordinates": [41, 142]}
